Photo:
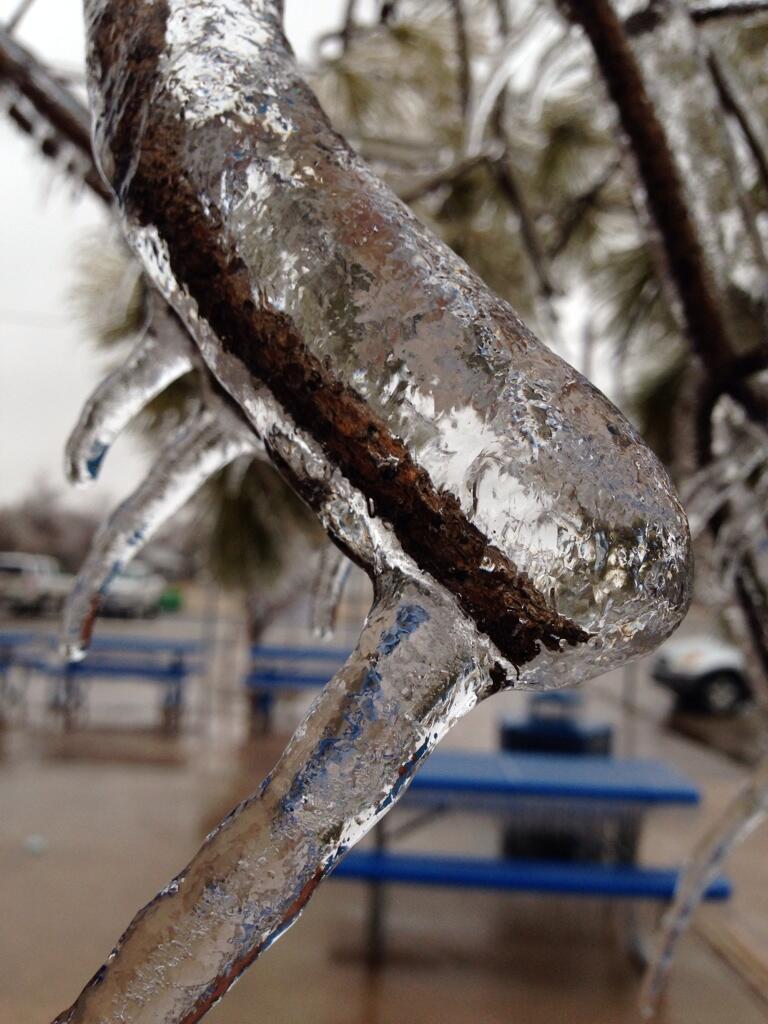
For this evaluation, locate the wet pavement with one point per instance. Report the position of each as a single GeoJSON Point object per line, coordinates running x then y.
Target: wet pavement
{"type": "Point", "coordinates": [96, 821]}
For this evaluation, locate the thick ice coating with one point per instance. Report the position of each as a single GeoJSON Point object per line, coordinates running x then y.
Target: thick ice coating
{"type": "Point", "coordinates": [292, 264]}
{"type": "Point", "coordinates": [517, 529]}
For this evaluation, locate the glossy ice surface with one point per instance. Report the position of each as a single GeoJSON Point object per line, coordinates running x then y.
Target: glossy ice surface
{"type": "Point", "coordinates": [546, 468]}
{"type": "Point", "coordinates": [199, 107]}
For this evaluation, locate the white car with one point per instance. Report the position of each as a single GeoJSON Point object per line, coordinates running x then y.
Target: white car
{"type": "Point", "coordinates": [706, 674]}
{"type": "Point", "coordinates": [31, 584]}
{"type": "Point", "coordinates": [134, 593]}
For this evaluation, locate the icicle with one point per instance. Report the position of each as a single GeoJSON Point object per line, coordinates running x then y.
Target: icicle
{"type": "Point", "coordinates": [744, 532]}
{"type": "Point", "coordinates": [742, 816]}
{"type": "Point", "coordinates": [162, 355]}
{"type": "Point", "coordinates": [419, 666]}
{"type": "Point", "coordinates": [715, 10]}
{"type": "Point", "coordinates": [332, 576]}
{"type": "Point", "coordinates": [749, 115]}
{"type": "Point", "coordinates": [195, 453]}
{"type": "Point", "coordinates": [155, 363]}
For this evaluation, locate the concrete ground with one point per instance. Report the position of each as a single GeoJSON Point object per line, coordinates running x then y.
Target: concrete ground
{"type": "Point", "coordinates": [94, 823]}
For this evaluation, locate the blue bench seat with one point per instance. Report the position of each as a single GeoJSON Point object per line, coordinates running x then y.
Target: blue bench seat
{"type": "Point", "coordinates": [276, 670]}
{"type": "Point", "coordinates": [274, 679]}
{"type": "Point", "coordinates": [596, 880]}
{"type": "Point", "coordinates": [101, 668]}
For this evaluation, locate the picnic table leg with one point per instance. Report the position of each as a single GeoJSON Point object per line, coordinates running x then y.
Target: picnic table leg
{"type": "Point", "coordinates": [20, 692]}
{"type": "Point", "coordinates": [10, 695]}
{"type": "Point", "coordinates": [172, 705]}
{"type": "Point", "coordinates": [72, 699]}
{"type": "Point", "coordinates": [5, 695]}
{"type": "Point", "coordinates": [376, 942]}
{"type": "Point", "coordinates": [261, 705]}
{"type": "Point", "coordinates": [627, 847]}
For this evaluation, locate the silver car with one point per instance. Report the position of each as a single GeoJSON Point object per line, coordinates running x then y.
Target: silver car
{"type": "Point", "coordinates": [706, 674]}
{"type": "Point", "coordinates": [31, 584]}
{"type": "Point", "coordinates": [134, 593]}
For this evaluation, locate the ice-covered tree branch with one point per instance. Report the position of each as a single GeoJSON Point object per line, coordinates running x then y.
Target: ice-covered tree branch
{"type": "Point", "coordinates": [715, 11]}
{"type": "Point", "coordinates": [736, 101]}
{"type": "Point", "coordinates": [462, 55]}
{"type": "Point", "coordinates": [434, 436]}
{"type": "Point", "coordinates": [704, 13]}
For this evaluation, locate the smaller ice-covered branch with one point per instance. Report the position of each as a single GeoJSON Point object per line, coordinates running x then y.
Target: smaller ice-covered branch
{"type": "Point", "coordinates": [705, 12]}
{"type": "Point", "coordinates": [579, 206]}
{"type": "Point", "coordinates": [659, 174]}
{"type": "Point", "coordinates": [41, 96]}
{"type": "Point", "coordinates": [736, 101]}
{"type": "Point", "coordinates": [512, 190]}
{"type": "Point", "coordinates": [15, 19]}
{"type": "Point", "coordinates": [707, 326]}
{"type": "Point", "coordinates": [463, 56]}
{"type": "Point", "coordinates": [348, 27]}
{"type": "Point", "coordinates": [490, 110]}
{"type": "Point", "coordinates": [443, 178]}
{"type": "Point", "coordinates": [646, 19]}
{"type": "Point", "coordinates": [502, 16]}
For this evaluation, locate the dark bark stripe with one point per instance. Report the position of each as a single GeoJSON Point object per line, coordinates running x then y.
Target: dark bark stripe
{"type": "Point", "coordinates": [430, 525]}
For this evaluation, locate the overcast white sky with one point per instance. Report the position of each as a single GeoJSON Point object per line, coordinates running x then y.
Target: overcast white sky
{"type": "Point", "coordinates": [47, 365]}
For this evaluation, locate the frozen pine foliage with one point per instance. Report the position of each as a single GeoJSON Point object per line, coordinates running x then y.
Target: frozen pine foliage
{"type": "Point", "coordinates": [163, 352]}
{"type": "Point", "coordinates": [517, 530]}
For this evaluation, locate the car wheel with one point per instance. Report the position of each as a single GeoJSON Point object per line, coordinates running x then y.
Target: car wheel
{"type": "Point", "coordinates": [722, 693]}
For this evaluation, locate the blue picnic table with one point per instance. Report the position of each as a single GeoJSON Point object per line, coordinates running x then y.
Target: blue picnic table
{"type": "Point", "coordinates": [163, 661]}
{"type": "Point", "coordinates": [279, 669]}
{"type": "Point", "coordinates": [463, 777]}
{"type": "Point", "coordinates": [592, 791]}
